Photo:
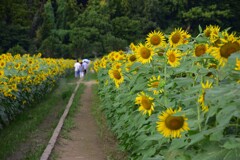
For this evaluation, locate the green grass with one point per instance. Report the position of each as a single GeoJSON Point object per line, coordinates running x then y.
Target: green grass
{"type": "Point", "coordinates": [90, 76]}
{"type": "Point", "coordinates": [69, 121]}
{"type": "Point", "coordinates": [111, 147]}
{"type": "Point", "coordinates": [27, 123]}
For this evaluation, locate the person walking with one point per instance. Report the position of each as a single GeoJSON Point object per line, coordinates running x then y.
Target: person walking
{"type": "Point", "coordinates": [81, 70]}
{"type": "Point", "coordinates": [76, 68]}
{"type": "Point", "coordinates": [85, 66]}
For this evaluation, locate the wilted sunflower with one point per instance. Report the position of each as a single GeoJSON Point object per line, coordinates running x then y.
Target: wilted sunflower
{"type": "Point", "coordinates": [200, 49]}
{"type": "Point", "coordinates": [145, 102]}
{"type": "Point", "coordinates": [224, 51]}
{"type": "Point", "coordinates": [176, 37]}
{"type": "Point", "coordinates": [154, 83]}
{"type": "Point", "coordinates": [170, 125]}
{"type": "Point", "coordinates": [156, 39]}
{"type": "Point", "coordinates": [116, 75]}
{"type": "Point", "coordinates": [144, 54]}
{"type": "Point", "coordinates": [173, 57]}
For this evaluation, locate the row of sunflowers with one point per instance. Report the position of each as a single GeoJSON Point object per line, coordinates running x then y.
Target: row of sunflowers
{"type": "Point", "coordinates": [175, 96]}
{"type": "Point", "coordinates": [25, 79]}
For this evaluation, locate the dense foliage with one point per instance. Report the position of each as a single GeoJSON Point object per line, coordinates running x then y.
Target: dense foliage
{"type": "Point", "coordinates": [88, 28]}
{"type": "Point", "coordinates": [24, 80]}
{"type": "Point", "coordinates": [174, 97]}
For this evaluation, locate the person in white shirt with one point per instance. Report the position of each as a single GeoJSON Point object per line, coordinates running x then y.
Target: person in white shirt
{"type": "Point", "coordinates": [85, 66]}
{"type": "Point", "coordinates": [76, 69]}
{"type": "Point", "coordinates": [81, 70]}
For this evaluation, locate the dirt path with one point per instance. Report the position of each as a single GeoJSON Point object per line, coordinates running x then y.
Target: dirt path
{"type": "Point", "coordinates": [84, 142]}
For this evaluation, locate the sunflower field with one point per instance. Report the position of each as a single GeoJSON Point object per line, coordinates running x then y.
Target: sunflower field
{"type": "Point", "coordinates": [175, 96]}
{"type": "Point", "coordinates": [25, 79]}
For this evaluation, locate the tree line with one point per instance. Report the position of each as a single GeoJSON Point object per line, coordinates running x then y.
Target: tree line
{"type": "Point", "coordinates": [90, 28]}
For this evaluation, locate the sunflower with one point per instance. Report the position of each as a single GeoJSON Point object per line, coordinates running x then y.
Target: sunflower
{"type": "Point", "coordinates": [144, 54]}
{"type": "Point", "coordinates": [207, 31]}
{"type": "Point", "coordinates": [224, 51]}
{"type": "Point", "coordinates": [212, 33]}
{"type": "Point", "coordinates": [117, 56]}
{"type": "Point", "coordinates": [1, 73]}
{"type": "Point", "coordinates": [237, 65]}
{"type": "Point", "coordinates": [186, 37]}
{"type": "Point", "coordinates": [228, 37]}
{"type": "Point", "coordinates": [116, 75]}
{"type": "Point", "coordinates": [201, 99]}
{"type": "Point", "coordinates": [154, 83]}
{"type": "Point", "coordinates": [17, 66]}
{"type": "Point", "coordinates": [214, 36]}
{"type": "Point", "coordinates": [103, 63]}
{"type": "Point", "coordinates": [207, 85]}
{"type": "Point", "coordinates": [156, 39]}
{"type": "Point", "coordinates": [116, 65]}
{"type": "Point", "coordinates": [176, 37]}
{"type": "Point", "coordinates": [173, 57]}
{"type": "Point", "coordinates": [132, 58]}
{"type": "Point", "coordinates": [145, 102]}
{"type": "Point", "coordinates": [200, 49]}
{"type": "Point", "coordinates": [2, 64]}
{"type": "Point", "coordinates": [111, 56]}
{"type": "Point", "coordinates": [170, 125]}
{"type": "Point", "coordinates": [133, 47]}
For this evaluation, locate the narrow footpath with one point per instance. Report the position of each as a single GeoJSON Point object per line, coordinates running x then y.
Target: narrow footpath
{"type": "Point", "coordinates": [84, 142]}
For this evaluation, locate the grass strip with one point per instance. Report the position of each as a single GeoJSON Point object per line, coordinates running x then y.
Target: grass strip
{"type": "Point", "coordinates": [69, 121]}
{"type": "Point", "coordinates": [26, 125]}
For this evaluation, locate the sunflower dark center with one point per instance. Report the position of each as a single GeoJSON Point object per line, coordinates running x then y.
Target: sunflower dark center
{"type": "Point", "coordinates": [217, 42]}
{"type": "Point", "coordinates": [155, 84]}
{"type": "Point", "coordinates": [176, 38]}
{"type": "Point", "coordinates": [174, 122]}
{"type": "Point", "coordinates": [207, 33]}
{"type": "Point", "coordinates": [155, 40]}
{"type": "Point", "coordinates": [116, 74]}
{"type": "Point", "coordinates": [172, 58]}
{"type": "Point", "coordinates": [132, 58]}
{"type": "Point", "coordinates": [200, 50]}
{"type": "Point", "coordinates": [146, 103]}
{"type": "Point", "coordinates": [145, 53]}
{"type": "Point", "coordinates": [227, 49]}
